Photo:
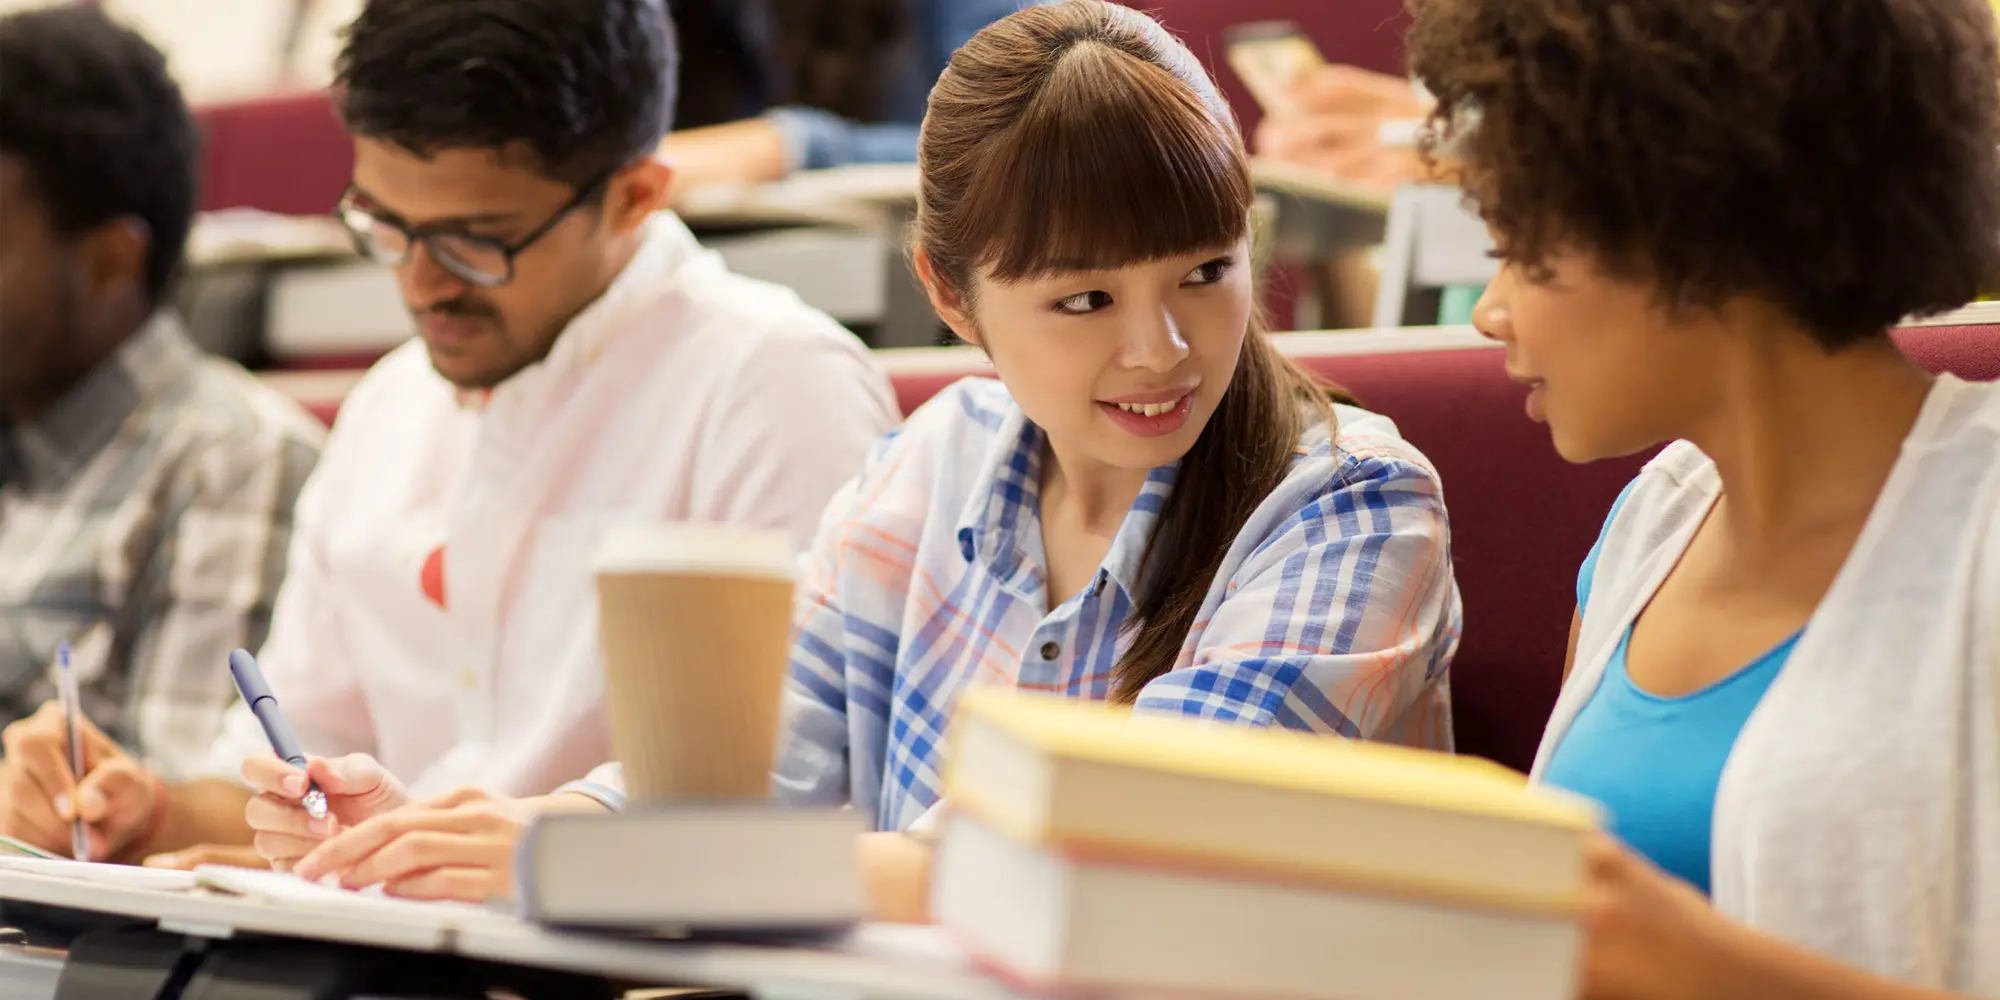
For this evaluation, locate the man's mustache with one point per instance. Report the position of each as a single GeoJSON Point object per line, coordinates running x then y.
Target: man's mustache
{"type": "Point", "coordinates": [458, 309]}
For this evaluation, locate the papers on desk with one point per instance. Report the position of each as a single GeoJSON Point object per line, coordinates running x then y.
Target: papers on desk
{"type": "Point", "coordinates": [217, 901]}
{"type": "Point", "coordinates": [103, 874]}
{"type": "Point", "coordinates": [237, 235]}
{"type": "Point", "coordinates": [889, 963]}
{"type": "Point", "coordinates": [867, 196]}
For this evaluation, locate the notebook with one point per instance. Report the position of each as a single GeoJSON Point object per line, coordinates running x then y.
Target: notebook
{"type": "Point", "coordinates": [103, 874]}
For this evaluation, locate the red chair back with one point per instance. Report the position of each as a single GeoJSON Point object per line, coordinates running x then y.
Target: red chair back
{"type": "Point", "coordinates": [283, 154]}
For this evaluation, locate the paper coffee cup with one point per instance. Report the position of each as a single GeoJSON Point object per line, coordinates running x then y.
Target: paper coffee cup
{"type": "Point", "coordinates": [695, 622]}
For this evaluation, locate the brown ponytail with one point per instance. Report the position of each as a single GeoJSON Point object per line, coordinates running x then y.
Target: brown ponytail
{"type": "Point", "coordinates": [1082, 136]}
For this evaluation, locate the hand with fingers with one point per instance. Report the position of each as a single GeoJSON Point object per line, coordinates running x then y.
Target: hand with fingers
{"type": "Point", "coordinates": [458, 846]}
{"type": "Point", "coordinates": [1647, 934]}
{"type": "Point", "coordinates": [40, 795]}
{"type": "Point", "coordinates": [357, 788]}
{"type": "Point", "coordinates": [1333, 120]}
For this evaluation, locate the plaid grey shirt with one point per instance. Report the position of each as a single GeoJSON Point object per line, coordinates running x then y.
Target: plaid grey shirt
{"type": "Point", "coordinates": [145, 518]}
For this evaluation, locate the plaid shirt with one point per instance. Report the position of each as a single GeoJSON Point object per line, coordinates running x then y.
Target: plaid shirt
{"type": "Point", "coordinates": [1334, 610]}
{"type": "Point", "coordinates": [144, 519]}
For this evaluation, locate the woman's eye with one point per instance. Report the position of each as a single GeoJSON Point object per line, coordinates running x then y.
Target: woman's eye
{"type": "Point", "coordinates": [1210, 273]}
{"type": "Point", "coordinates": [1088, 302]}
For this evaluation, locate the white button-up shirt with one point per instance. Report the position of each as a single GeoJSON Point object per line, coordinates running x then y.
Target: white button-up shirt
{"type": "Point", "coordinates": [683, 393]}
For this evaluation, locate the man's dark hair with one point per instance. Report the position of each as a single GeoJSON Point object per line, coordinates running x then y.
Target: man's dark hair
{"type": "Point", "coordinates": [586, 85]}
{"type": "Point", "coordinates": [87, 106]}
{"type": "Point", "coordinates": [1837, 158]}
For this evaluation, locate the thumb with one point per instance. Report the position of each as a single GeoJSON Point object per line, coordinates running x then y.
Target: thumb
{"type": "Point", "coordinates": [93, 797]}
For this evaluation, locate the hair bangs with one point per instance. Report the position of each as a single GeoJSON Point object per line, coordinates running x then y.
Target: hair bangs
{"type": "Point", "coordinates": [1120, 164]}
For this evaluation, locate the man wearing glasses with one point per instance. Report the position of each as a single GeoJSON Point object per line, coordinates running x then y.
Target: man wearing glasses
{"type": "Point", "coordinates": [581, 361]}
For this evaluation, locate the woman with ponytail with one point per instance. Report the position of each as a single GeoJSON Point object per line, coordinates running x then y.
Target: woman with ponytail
{"type": "Point", "coordinates": [1151, 506]}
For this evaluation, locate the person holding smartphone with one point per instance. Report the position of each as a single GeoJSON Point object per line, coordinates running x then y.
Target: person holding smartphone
{"type": "Point", "coordinates": [1353, 124]}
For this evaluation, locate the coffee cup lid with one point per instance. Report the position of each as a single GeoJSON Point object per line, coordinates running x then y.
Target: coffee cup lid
{"type": "Point", "coordinates": [696, 547]}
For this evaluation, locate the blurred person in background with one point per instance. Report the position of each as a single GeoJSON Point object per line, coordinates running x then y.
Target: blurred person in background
{"type": "Point", "coordinates": [777, 86]}
{"type": "Point", "coordinates": [581, 362]}
{"type": "Point", "coordinates": [1350, 123]}
{"type": "Point", "coordinates": [146, 489]}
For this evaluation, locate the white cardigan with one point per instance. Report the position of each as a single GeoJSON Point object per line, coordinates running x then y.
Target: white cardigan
{"type": "Point", "coordinates": [1859, 812]}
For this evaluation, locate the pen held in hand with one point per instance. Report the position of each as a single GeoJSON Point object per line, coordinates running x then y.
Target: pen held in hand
{"type": "Point", "coordinates": [72, 708]}
{"type": "Point", "coordinates": [257, 694]}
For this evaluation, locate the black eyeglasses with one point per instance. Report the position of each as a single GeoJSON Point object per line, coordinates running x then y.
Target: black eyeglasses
{"type": "Point", "coordinates": [481, 260]}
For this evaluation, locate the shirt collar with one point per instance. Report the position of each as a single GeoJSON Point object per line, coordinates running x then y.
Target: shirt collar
{"type": "Point", "coordinates": [664, 248]}
{"type": "Point", "coordinates": [1005, 502]}
{"type": "Point", "coordinates": [49, 452]}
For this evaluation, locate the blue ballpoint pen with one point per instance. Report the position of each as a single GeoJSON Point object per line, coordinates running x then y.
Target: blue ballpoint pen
{"type": "Point", "coordinates": [257, 694]}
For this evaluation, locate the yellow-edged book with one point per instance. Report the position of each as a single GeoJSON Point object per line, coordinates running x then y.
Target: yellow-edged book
{"type": "Point", "coordinates": [1090, 847]}
{"type": "Point", "coordinates": [1096, 777]}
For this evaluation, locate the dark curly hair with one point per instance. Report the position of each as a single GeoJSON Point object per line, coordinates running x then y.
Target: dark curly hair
{"type": "Point", "coordinates": [587, 85]}
{"type": "Point", "coordinates": [1837, 158]}
{"type": "Point", "coordinates": [88, 107]}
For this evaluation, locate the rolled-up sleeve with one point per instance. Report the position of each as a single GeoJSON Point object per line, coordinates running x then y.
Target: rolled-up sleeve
{"type": "Point", "coordinates": [1342, 620]}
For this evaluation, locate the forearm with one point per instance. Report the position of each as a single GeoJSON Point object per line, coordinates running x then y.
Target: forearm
{"type": "Point", "coordinates": [202, 811]}
{"type": "Point", "coordinates": [1753, 966]}
{"type": "Point", "coordinates": [745, 152]}
{"type": "Point", "coordinates": [566, 802]}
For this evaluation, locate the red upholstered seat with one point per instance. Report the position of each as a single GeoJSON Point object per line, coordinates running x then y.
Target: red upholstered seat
{"type": "Point", "coordinates": [1522, 518]}
{"type": "Point", "coordinates": [280, 154]}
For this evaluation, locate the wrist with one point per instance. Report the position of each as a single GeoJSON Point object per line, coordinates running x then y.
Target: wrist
{"type": "Point", "coordinates": [1725, 966]}
{"type": "Point", "coordinates": [571, 801]}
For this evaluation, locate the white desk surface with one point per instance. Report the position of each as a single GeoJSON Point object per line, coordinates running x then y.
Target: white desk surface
{"type": "Point", "coordinates": [862, 194]}
{"type": "Point", "coordinates": [888, 963]}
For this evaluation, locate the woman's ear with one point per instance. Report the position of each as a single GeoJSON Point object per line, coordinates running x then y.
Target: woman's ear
{"type": "Point", "coordinates": [948, 301]}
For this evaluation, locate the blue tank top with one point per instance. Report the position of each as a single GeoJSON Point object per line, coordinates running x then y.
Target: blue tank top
{"type": "Point", "coordinates": [1654, 762]}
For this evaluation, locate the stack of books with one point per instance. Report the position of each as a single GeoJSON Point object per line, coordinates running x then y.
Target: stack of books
{"type": "Point", "coordinates": [1088, 847]}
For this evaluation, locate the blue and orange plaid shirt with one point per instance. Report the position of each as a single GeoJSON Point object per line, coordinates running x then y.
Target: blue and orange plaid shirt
{"type": "Point", "coordinates": [1334, 610]}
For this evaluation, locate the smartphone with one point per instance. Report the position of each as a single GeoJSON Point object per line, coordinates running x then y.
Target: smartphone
{"type": "Point", "coordinates": [1269, 55]}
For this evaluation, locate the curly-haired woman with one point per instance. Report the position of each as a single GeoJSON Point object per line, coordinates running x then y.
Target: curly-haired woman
{"type": "Point", "coordinates": [1784, 685]}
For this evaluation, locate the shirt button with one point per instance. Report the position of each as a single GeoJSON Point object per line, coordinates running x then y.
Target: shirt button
{"type": "Point", "coordinates": [1051, 650]}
